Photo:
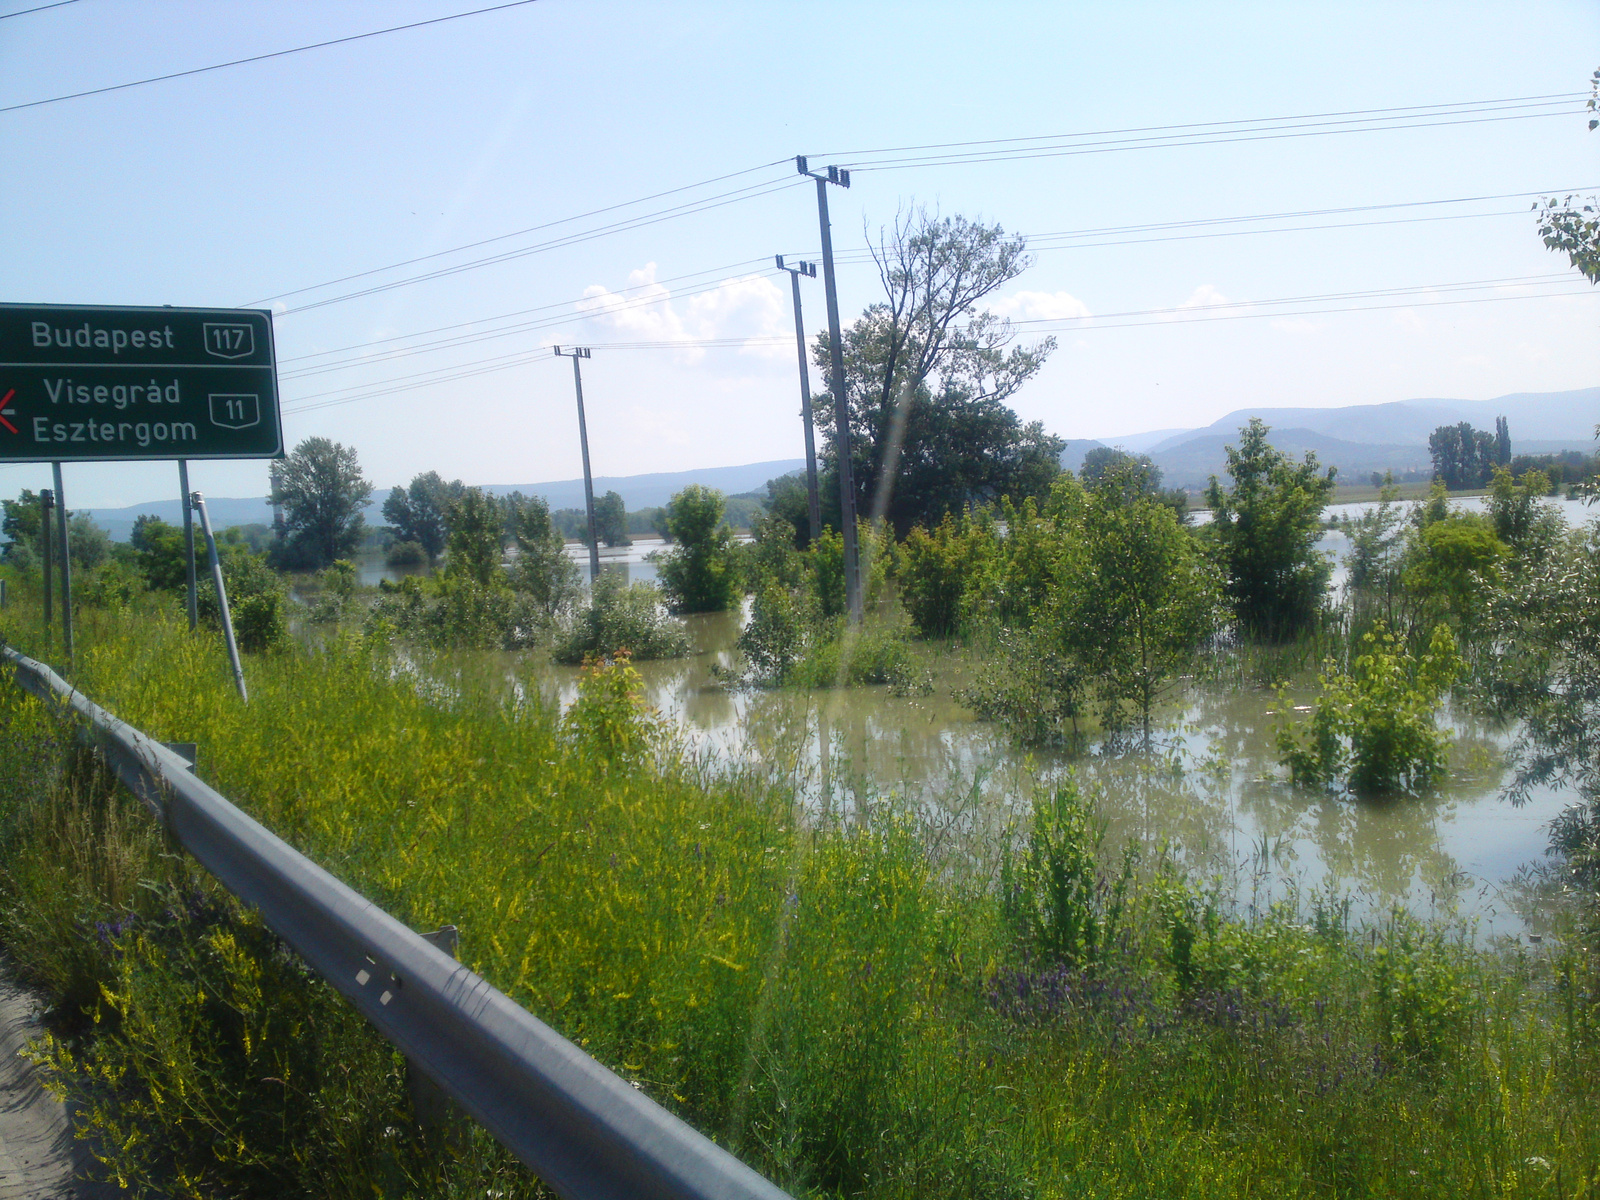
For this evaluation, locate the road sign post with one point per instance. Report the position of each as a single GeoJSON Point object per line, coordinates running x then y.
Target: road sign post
{"type": "Point", "coordinates": [90, 384]}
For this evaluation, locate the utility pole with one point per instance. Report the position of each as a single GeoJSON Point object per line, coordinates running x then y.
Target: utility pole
{"type": "Point", "coordinates": [841, 403]}
{"type": "Point", "coordinates": [575, 354]}
{"type": "Point", "coordinates": [813, 500]}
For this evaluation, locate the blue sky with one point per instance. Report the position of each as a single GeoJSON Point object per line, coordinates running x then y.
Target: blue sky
{"type": "Point", "coordinates": [249, 184]}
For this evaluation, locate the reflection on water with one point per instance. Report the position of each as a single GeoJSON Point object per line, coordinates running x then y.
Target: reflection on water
{"type": "Point", "coordinates": [1209, 789]}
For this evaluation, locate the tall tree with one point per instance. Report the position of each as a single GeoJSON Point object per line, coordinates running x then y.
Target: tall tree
{"type": "Point", "coordinates": [419, 511]}
{"type": "Point", "coordinates": [321, 491]}
{"type": "Point", "coordinates": [1463, 457]}
{"type": "Point", "coordinates": [928, 374]}
{"type": "Point", "coordinates": [542, 570]}
{"type": "Point", "coordinates": [1502, 442]}
{"type": "Point", "coordinates": [700, 575]}
{"type": "Point", "coordinates": [611, 520]}
{"type": "Point", "coordinates": [1137, 598]}
{"type": "Point", "coordinates": [1265, 530]}
{"type": "Point", "coordinates": [477, 538]}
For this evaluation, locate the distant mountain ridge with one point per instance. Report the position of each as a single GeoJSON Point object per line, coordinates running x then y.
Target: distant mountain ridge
{"type": "Point", "coordinates": [1362, 438]}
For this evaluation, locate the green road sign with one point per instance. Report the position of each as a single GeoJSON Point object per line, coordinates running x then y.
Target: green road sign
{"type": "Point", "coordinates": [82, 384]}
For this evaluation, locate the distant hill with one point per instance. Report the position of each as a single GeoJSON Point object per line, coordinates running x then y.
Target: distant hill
{"type": "Point", "coordinates": [637, 491]}
{"type": "Point", "coordinates": [1363, 438]}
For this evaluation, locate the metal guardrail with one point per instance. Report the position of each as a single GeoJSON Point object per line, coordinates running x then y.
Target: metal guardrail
{"type": "Point", "coordinates": [586, 1132]}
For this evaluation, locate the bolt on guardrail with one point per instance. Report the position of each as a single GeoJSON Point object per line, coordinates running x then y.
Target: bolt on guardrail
{"type": "Point", "coordinates": [589, 1134]}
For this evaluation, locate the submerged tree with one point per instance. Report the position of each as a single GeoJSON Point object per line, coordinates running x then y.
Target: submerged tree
{"type": "Point", "coordinates": [1265, 530]}
{"type": "Point", "coordinates": [700, 575]}
{"type": "Point", "coordinates": [322, 492]}
{"type": "Point", "coordinates": [420, 511]}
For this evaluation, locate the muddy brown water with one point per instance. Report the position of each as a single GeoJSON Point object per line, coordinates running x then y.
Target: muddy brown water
{"type": "Point", "coordinates": [1208, 786]}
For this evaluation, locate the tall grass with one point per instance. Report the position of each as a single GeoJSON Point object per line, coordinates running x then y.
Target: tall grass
{"type": "Point", "coordinates": [847, 1012]}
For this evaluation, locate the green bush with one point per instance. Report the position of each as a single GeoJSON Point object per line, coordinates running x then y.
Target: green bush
{"type": "Point", "coordinates": [619, 617]}
{"type": "Point", "coordinates": [942, 570]}
{"type": "Point", "coordinates": [700, 574]}
{"type": "Point", "coordinates": [1375, 725]}
{"type": "Point", "coordinates": [1054, 899]}
{"type": "Point", "coordinates": [257, 601]}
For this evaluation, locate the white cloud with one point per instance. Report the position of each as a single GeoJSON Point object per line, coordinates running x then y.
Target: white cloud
{"type": "Point", "coordinates": [751, 308]}
{"type": "Point", "coordinates": [1204, 296]}
{"type": "Point", "coordinates": [1040, 306]}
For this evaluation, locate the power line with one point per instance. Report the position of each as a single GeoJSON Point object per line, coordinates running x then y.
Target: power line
{"type": "Point", "coordinates": [752, 192]}
{"type": "Point", "coordinates": [401, 337]}
{"type": "Point", "coordinates": [254, 58]}
{"type": "Point", "coordinates": [1217, 138]}
{"type": "Point", "coordinates": [1374, 113]}
{"type": "Point", "coordinates": [862, 254]}
{"type": "Point", "coordinates": [522, 327]}
{"type": "Point", "coordinates": [1231, 310]}
{"type": "Point", "coordinates": [500, 237]}
{"type": "Point", "coordinates": [22, 12]}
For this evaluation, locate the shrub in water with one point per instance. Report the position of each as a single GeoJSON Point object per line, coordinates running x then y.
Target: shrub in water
{"type": "Point", "coordinates": [1376, 724]}
{"type": "Point", "coordinates": [620, 616]}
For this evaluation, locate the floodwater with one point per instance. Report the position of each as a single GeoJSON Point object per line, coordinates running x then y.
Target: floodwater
{"type": "Point", "coordinates": [1208, 787]}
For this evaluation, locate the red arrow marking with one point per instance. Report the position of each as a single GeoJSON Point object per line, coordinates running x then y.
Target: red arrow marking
{"type": "Point", "coordinates": [5, 400]}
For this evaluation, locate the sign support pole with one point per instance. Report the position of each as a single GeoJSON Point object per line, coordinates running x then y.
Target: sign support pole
{"type": "Point", "coordinates": [46, 499]}
{"type": "Point", "coordinates": [188, 543]}
{"type": "Point", "coordinates": [66, 565]}
{"type": "Point", "coordinates": [199, 503]}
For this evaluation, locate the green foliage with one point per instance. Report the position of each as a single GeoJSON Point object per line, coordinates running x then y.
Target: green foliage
{"type": "Point", "coordinates": [475, 545]}
{"type": "Point", "coordinates": [1464, 457]}
{"type": "Point", "coordinates": [611, 520]}
{"type": "Point", "coordinates": [542, 572]}
{"type": "Point", "coordinates": [927, 377]}
{"type": "Point", "coordinates": [1450, 566]}
{"type": "Point", "coordinates": [1571, 227]}
{"type": "Point", "coordinates": [1375, 725]}
{"type": "Point", "coordinates": [942, 571]}
{"type": "Point", "coordinates": [842, 1002]}
{"type": "Point", "coordinates": [420, 511]}
{"type": "Point", "coordinates": [21, 527]}
{"type": "Point", "coordinates": [258, 602]}
{"type": "Point", "coordinates": [1264, 530]}
{"type": "Point", "coordinates": [701, 574]}
{"type": "Point", "coordinates": [322, 492]}
{"type": "Point", "coordinates": [162, 553]}
{"type": "Point", "coordinates": [87, 543]}
{"type": "Point", "coordinates": [620, 617]}
{"type": "Point", "coordinates": [1052, 894]}
{"type": "Point", "coordinates": [405, 554]}
{"type": "Point", "coordinates": [1104, 595]}
{"type": "Point", "coordinates": [1521, 520]}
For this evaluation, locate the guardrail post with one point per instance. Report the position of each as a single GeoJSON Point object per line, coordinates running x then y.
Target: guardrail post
{"type": "Point", "coordinates": [436, 1113]}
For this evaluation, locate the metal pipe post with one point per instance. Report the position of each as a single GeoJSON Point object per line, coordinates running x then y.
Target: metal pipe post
{"type": "Point", "coordinates": [199, 503]}
{"type": "Point", "coordinates": [813, 496]}
{"type": "Point", "coordinates": [188, 543]}
{"type": "Point", "coordinates": [46, 500]}
{"type": "Point", "coordinates": [575, 354]}
{"type": "Point", "coordinates": [66, 564]}
{"type": "Point", "coordinates": [841, 401]}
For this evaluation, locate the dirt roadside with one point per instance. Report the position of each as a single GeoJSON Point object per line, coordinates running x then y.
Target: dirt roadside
{"type": "Point", "coordinates": [39, 1158]}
